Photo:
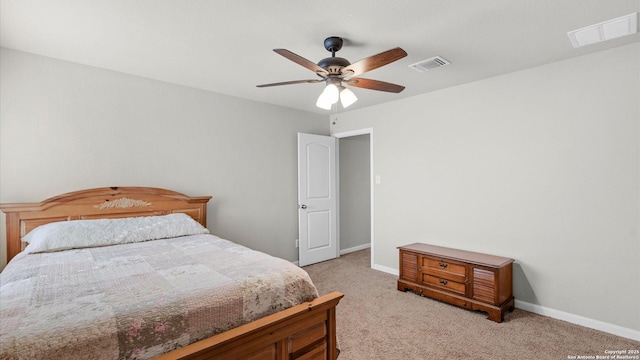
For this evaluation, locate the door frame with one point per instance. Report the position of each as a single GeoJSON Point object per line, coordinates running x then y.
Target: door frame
{"type": "Point", "coordinates": [345, 134]}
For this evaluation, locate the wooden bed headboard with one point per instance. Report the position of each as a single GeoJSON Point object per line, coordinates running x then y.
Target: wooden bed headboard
{"type": "Point", "coordinates": [99, 203]}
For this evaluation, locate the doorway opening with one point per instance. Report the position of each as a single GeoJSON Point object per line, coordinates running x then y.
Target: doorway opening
{"type": "Point", "coordinates": [355, 191]}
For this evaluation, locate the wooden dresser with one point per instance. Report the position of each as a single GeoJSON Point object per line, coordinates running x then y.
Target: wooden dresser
{"type": "Point", "coordinates": [467, 279]}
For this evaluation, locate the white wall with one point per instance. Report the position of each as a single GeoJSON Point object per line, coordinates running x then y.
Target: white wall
{"type": "Point", "coordinates": [65, 127]}
{"type": "Point", "coordinates": [540, 165]}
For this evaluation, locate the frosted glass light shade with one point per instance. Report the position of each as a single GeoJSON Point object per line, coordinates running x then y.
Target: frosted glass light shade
{"type": "Point", "coordinates": [347, 97]}
{"type": "Point", "coordinates": [329, 96]}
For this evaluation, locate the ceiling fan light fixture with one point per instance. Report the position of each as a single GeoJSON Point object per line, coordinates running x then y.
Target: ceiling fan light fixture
{"type": "Point", "coordinates": [329, 96]}
{"type": "Point", "coordinates": [347, 97]}
{"type": "Point", "coordinates": [336, 70]}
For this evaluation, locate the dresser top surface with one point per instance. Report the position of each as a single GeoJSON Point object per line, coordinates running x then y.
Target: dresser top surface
{"type": "Point", "coordinates": [456, 254]}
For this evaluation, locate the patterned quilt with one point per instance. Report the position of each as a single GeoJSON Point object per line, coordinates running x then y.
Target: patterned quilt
{"type": "Point", "coordinates": [139, 300]}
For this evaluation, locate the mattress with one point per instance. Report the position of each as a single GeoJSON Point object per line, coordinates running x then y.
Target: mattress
{"type": "Point", "coordinates": [138, 300]}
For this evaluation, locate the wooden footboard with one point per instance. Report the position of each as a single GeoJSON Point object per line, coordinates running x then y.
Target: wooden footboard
{"type": "Point", "coordinates": [305, 331]}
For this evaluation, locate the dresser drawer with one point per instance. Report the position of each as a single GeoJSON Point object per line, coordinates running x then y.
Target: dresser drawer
{"type": "Point", "coordinates": [453, 286]}
{"type": "Point", "coordinates": [444, 268]}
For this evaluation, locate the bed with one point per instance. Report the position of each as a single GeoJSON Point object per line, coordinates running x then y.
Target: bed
{"type": "Point", "coordinates": [179, 293]}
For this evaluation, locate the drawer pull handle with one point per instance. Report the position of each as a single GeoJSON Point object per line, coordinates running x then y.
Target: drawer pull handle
{"type": "Point", "coordinates": [443, 282]}
{"type": "Point", "coordinates": [443, 265]}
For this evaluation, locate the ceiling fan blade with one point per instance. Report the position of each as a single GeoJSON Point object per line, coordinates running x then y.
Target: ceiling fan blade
{"type": "Point", "coordinates": [375, 85]}
{"type": "Point", "coordinates": [374, 62]}
{"type": "Point", "coordinates": [291, 82]}
{"type": "Point", "coordinates": [302, 61]}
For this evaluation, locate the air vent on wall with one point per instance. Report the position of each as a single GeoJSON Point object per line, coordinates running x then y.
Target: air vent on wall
{"type": "Point", "coordinates": [429, 64]}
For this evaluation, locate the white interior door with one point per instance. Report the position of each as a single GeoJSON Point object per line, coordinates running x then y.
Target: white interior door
{"type": "Point", "coordinates": [317, 199]}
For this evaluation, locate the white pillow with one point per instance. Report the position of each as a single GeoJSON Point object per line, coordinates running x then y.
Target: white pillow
{"type": "Point", "coordinates": [77, 234]}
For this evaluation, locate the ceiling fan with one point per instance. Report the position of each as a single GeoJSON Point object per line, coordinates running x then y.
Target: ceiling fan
{"type": "Point", "coordinates": [337, 72]}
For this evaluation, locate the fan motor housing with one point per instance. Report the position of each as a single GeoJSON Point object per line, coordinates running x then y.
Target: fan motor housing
{"type": "Point", "coordinates": [332, 63]}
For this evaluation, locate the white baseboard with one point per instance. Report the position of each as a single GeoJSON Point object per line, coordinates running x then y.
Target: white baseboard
{"type": "Point", "coordinates": [345, 251]}
{"type": "Point", "coordinates": [386, 269]}
{"type": "Point", "coordinates": [355, 248]}
{"type": "Point", "coordinates": [556, 314]}
{"type": "Point", "coordinates": [579, 320]}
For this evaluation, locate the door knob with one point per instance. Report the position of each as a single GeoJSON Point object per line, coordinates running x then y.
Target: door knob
{"type": "Point", "coordinates": [302, 206]}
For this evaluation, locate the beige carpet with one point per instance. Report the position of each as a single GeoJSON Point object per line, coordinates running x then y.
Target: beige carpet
{"type": "Point", "coordinates": [376, 321]}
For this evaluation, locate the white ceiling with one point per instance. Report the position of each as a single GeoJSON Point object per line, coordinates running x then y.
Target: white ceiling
{"type": "Point", "coordinates": [226, 46]}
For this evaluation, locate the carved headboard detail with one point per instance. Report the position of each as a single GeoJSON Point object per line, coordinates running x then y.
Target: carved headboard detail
{"type": "Point", "coordinates": [99, 203]}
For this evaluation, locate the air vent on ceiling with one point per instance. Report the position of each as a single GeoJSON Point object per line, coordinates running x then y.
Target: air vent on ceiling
{"type": "Point", "coordinates": [429, 64]}
{"type": "Point", "coordinates": [607, 30]}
